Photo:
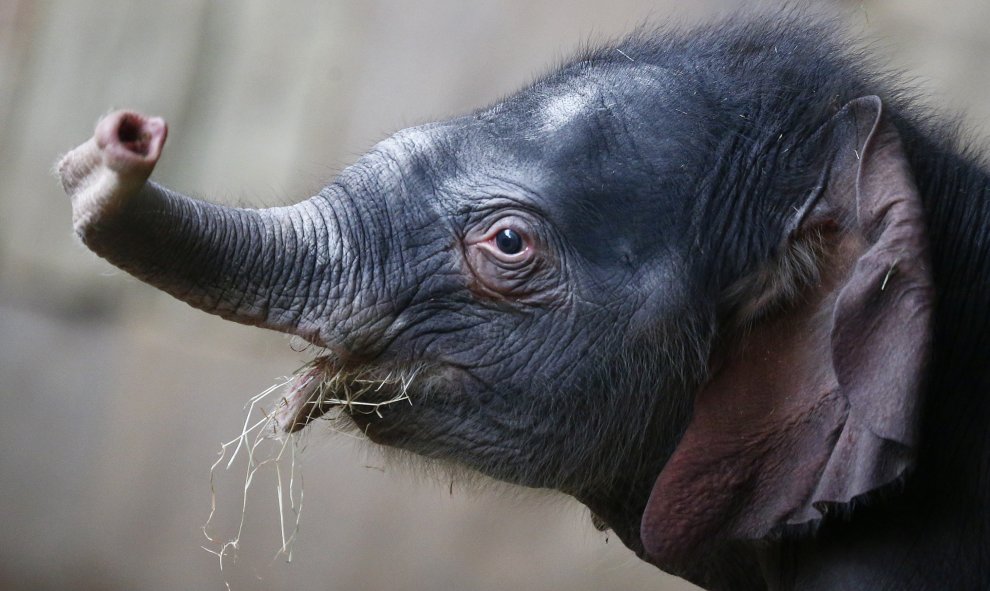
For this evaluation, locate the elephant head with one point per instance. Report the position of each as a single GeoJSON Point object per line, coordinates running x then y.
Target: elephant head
{"type": "Point", "coordinates": [694, 299]}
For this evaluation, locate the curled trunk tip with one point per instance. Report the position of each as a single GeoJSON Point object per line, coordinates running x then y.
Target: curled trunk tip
{"type": "Point", "coordinates": [103, 174]}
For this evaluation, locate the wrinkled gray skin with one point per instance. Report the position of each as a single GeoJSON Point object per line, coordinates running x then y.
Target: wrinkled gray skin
{"type": "Point", "coordinates": [646, 185]}
{"type": "Point", "coordinates": [556, 367]}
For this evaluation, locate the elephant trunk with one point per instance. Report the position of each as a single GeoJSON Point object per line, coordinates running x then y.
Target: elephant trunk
{"type": "Point", "coordinates": [263, 267]}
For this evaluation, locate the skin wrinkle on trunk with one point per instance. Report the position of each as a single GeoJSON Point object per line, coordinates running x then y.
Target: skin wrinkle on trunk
{"type": "Point", "coordinates": [230, 284]}
{"type": "Point", "coordinates": [289, 226]}
{"type": "Point", "coordinates": [334, 262]}
{"type": "Point", "coordinates": [255, 261]}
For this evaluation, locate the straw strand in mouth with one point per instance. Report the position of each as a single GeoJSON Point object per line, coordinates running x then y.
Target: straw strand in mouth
{"type": "Point", "coordinates": [320, 388]}
{"type": "Point", "coordinates": [317, 389]}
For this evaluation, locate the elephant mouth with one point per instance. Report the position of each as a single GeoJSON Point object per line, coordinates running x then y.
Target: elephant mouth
{"type": "Point", "coordinates": [325, 388]}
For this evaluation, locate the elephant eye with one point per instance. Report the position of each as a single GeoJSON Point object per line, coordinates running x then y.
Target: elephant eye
{"type": "Point", "coordinates": [509, 241]}
{"type": "Point", "coordinates": [506, 256]}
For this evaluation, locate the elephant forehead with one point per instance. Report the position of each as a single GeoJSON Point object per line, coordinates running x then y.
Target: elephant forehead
{"type": "Point", "coordinates": [420, 139]}
{"type": "Point", "coordinates": [601, 89]}
{"type": "Point", "coordinates": [561, 108]}
{"type": "Point", "coordinates": [538, 112]}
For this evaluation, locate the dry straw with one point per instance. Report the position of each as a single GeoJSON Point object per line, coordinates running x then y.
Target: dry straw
{"type": "Point", "coordinates": [317, 389]}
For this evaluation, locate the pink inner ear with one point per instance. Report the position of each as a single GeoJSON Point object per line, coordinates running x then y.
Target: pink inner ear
{"type": "Point", "coordinates": [818, 405]}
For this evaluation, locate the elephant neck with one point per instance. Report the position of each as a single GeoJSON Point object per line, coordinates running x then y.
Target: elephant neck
{"type": "Point", "coordinates": [955, 192]}
{"type": "Point", "coordinates": [901, 544]}
{"type": "Point", "coordinates": [954, 463]}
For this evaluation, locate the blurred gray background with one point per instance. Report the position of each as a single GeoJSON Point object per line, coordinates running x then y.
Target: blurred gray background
{"type": "Point", "coordinates": [115, 398]}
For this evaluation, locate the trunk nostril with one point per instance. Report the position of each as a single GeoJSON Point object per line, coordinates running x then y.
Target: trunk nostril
{"type": "Point", "coordinates": [133, 134]}
{"type": "Point", "coordinates": [130, 141]}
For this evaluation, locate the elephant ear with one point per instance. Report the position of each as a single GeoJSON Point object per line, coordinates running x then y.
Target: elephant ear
{"type": "Point", "coordinates": [817, 404]}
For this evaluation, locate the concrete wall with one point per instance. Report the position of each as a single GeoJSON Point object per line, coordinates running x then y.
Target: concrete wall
{"type": "Point", "coordinates": [115, 398]}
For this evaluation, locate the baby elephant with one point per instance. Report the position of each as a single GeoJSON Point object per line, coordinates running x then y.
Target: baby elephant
{"type": "Point", "coordinates": [726, 287]}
